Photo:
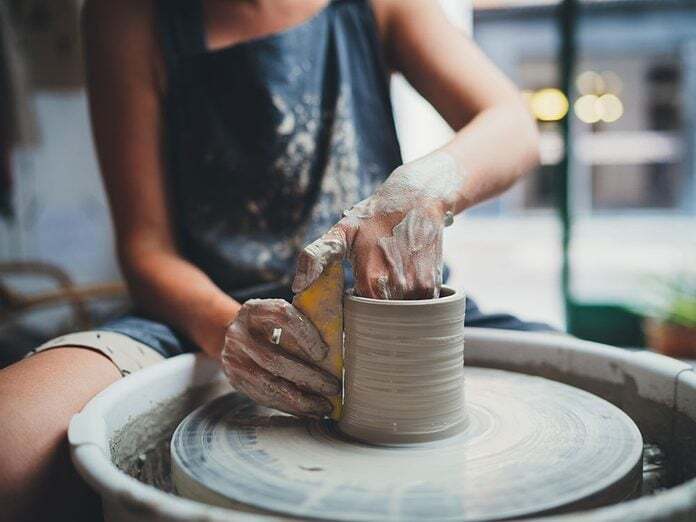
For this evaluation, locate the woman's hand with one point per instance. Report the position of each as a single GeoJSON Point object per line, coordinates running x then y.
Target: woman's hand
{"type": "Point", "coordinates": [393, 239]}
{"type": "Point", "coordinates": [269, 353]}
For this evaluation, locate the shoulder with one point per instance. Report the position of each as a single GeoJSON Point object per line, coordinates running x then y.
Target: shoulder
{"type": "Point", "coordinates": [125, 26]}
{"type": "Point", "coordinates": [401, 21]}
{"type": "Point", "coordinates": [389, 12]}
{"type": "Point", "coordinates": [121, 34]}
{"type": "Point", "coordinates": [382, 10]}
{"type": "Point", "coordinates": [122, 17]}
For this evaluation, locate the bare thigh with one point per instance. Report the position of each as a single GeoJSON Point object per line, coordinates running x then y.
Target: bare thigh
{"type": "Point", "coordinates": [38, 396]}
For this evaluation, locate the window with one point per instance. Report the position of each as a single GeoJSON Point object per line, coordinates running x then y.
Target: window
{"type": "Point", "coordinates": [627, 128]}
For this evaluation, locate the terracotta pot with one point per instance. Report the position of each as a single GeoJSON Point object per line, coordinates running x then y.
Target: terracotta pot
{"type": "Point", "coordinates": [670, 339]}
{"type": "Point", "coordinates": [404, 364]}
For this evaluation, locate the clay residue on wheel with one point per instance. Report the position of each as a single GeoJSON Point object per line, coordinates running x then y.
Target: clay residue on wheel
{"type": "Point", "coordinates": [141, 447]}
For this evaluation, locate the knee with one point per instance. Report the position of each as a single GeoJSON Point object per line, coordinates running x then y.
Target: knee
{"type": "Point", "coordinates": [31, 442]}
{"type": "Point", "coordinates": [37, 478]}
{"type": "Point", "coordinates": [38, 396]}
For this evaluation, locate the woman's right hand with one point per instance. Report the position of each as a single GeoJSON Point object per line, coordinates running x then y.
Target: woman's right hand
{"type": "Point", "coordinates": [270, 354]}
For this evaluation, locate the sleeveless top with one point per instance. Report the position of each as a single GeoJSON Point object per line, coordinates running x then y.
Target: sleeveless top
{"type": "Point", "coordinates": [269, 140]}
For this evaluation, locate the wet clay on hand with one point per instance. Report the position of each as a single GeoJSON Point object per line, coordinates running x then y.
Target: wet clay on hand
{"type": "Point", "coordinates": [271, 354]}
{"type": "Point", "coordinates": [393, 239]}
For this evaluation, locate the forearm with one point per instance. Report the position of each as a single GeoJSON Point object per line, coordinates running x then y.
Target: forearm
{"type": "Point", "coordinates": [484, 158]}
{"type": "Point", "coordinates": [492, 152]}
{"type": "Point", "coordinates": [173, 290]}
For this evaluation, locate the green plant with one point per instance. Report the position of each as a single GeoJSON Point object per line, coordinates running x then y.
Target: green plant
{"type": "Point", "coordinates": [673, 300]}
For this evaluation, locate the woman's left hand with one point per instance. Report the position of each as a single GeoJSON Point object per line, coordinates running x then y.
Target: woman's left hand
{"type": "Point", "coordinates": [393, 239]}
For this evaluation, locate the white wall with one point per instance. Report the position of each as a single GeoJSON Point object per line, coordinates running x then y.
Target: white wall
{"type": "Point", "coordinates": [420, 128]}
{"type": "Point", "coordinates": [61, 213]}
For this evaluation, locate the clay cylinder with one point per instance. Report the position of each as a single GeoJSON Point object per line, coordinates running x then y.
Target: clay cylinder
{"type": "Point", "coordinates": [404, 364]}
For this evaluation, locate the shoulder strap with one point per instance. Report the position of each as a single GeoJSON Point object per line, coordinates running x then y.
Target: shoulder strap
{"type": "Point", "coordinates": [181, 31]}
{"type": "Point", "coordinates": [370, 31]}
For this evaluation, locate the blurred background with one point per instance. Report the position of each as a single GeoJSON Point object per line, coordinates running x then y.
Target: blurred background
{"type": "Point", "coordinates": [599, 237]}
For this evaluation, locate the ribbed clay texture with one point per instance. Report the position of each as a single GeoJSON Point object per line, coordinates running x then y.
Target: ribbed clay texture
{"type": "Point", "coordinates": [404, 369]}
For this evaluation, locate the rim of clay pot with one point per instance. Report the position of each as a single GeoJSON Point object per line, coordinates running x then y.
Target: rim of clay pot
{"type": "Point", "coordinates": [447, 295]}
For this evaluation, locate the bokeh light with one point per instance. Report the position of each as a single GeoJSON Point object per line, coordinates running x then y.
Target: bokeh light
{"type": "Point", "coordinates": [549, 104]}
{"type": "Point", "coordinates": [609, 107]}
{"type": "Point", "coordinates": [612, 82]}
{"type": "Point", "coordinates": [590, 82]}
{"type": "Point", "coordinates": [591, 108]}
{"type": "Point", "coordinates": [586, 108]}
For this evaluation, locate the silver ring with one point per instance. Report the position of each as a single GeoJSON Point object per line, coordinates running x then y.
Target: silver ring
{"type": "Point", "coordinates": [275, 336]}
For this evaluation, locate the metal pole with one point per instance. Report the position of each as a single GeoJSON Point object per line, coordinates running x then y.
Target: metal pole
{"type": "Point", "coordinates": [567, 19]}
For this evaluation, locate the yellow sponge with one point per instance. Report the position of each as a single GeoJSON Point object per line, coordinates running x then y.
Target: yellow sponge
{"type": "Point", "coordinates": [322, 303]}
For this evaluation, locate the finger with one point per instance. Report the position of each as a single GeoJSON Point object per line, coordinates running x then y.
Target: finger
{"type": "Point", "coordinates": [272, 391]}
{"type": "Point", "coordinates": [395, 262]}
{"type": "Point", "coordinates": [372, 283]}
{"type": "Point", "coordinates": [280, 363]}
{"type": "Point", "coordinates": [298, 336]}
{"type": "Point", "coordinates": [370, 274]}
{"type": "Point", "coordinates": [414, 255]}
{"type": "Point", "coordinates": [376, 286]}
{"type": "Point", "coordinates": [429, 268]}
{"type": "Point", "coordinates": [425, 278]}
{"type": "Point", "coordinates": [424, 286]}
{"type": "Point", "coordinates": [316, 256]}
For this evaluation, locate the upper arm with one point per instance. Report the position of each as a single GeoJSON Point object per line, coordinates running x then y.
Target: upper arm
{"type": "Point", "coordinates": [439, 60]}
{"type": "Point", "coordinates": [124, 99]}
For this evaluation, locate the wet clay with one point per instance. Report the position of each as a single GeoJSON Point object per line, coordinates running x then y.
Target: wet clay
{"type": "Point", "coordinates": [530, 446]}
{"type": "Point", "coordinates": [141, 447]}
{"type": "Point", "coordinates": [404, 364]}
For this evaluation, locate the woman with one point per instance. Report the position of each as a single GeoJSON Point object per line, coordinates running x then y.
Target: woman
{"type": "Point", "coordinates": [231, 133]}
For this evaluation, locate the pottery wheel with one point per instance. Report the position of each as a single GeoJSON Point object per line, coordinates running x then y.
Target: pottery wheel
{"type": "Point", "coordinates": [532, 446]}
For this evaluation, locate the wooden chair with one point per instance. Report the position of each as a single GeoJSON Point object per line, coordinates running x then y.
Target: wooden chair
{"type": "Point", "coordinates": [14, 303]}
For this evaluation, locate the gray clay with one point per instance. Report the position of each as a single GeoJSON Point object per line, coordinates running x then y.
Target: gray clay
{"type": "Point", "coordinates": [404, 369]}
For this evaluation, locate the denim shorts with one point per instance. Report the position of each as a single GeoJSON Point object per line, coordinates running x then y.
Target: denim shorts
{"type": "Point", "coordinates": [134, 340]}
{"type": "Point", "coordinates": [168, 342]}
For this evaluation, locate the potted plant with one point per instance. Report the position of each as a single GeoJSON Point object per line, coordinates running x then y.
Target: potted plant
{"type": "Point", "coordinates": [670, 323]}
